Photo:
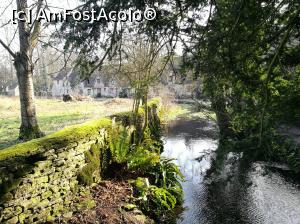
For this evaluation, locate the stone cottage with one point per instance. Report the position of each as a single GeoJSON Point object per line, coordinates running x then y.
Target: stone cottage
{"type": "Point", "coordinates": [13, 90]}
{"type": "Point", "coordinates": [97, 85]}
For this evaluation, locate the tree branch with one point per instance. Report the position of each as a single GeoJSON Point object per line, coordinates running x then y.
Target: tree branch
{"type": "Point", "coordinates": [8, 49]}
{"type": "Point", "coordinates": [36, 27]}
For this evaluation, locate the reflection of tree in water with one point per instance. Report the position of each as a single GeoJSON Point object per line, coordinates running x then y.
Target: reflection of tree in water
{"type": "Point", "coordinates": [192, 129]}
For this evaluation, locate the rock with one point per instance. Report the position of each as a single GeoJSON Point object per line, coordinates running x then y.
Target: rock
{"type": "Point", "coordinates": [129, 207]}
{"type": "Point", "coordinates": [67, 98]}
{"type": "Point", "coordinates": [13, 220]}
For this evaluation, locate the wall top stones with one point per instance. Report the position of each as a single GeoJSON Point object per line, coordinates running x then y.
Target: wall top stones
{"type": "Point", "coordinates": [67, 137]}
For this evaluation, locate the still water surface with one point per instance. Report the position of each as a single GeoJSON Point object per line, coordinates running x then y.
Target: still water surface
{"type": "Point", "coordinates": [264, 195]}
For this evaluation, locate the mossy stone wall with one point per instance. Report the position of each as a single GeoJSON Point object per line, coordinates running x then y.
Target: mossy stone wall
{"type": "Point", "coordinates": [44, 184]}
{"type": "Point", "coordinates": [43, 179]}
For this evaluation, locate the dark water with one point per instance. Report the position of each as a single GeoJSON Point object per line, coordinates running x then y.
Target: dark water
{"type": "Point", "coordinates": [263, 194]}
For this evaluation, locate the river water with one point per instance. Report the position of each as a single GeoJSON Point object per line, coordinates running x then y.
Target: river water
{"type": "Point", "coordinates": [265, 193]}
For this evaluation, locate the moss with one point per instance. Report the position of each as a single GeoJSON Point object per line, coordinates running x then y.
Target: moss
{"type": "Point", "coordinates": [141, 184]}
{"type": "Point", "coordinates": [6, 197]}
{"type": "Point", "coordinates": [91, 172]}
{"type": "Point", "coordinates": [126, 117]}
{"type": "Point", "coordinates": [56, 140]}
{"type": "Point", "coordinates": [28, 133]}
{"type": "Point", "coordinates": [154, 102]}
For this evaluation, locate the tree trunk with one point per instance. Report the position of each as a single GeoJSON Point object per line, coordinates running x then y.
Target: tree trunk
{"type": "Point", "coordinates": [28, 37]}
{"type": "Point", "coordinates": [219, 107]}
{"type": "Point", "coordinates": [29, 126]}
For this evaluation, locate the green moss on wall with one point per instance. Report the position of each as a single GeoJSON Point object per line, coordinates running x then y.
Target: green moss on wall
{"type": "Point", "coordinates": [56, 140]}
{"type": "Point", "coordinates": [48, 172]}
{"type": "Point", "coordinates": [90, 173]}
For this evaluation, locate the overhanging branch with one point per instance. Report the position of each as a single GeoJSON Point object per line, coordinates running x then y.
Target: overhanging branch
{"type": "Point", "coordinates": [8, 49]}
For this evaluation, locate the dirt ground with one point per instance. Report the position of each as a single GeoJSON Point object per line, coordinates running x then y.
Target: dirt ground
{"type": "Point", "coordinates": [112, 198]}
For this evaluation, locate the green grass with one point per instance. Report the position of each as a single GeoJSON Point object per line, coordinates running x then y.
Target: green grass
{"type": "Point", "coordinates": [54, 114]}
{"type": "Point", "coordinates": [60, 139]}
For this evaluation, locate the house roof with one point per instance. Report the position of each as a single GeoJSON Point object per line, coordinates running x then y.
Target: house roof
{"type": "Point", "coordinates": [70, 74]}
{"type": "Point", "coordinates": [74, 77]}
{"type": "Point", "coordinates": [13, 86]}
{"type": "Point", "coordinates": [62, 74]}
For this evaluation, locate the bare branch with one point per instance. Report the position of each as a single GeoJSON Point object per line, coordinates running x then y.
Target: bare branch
{"type": "Point", "coordinates": [36, 27]}
{"type": "Point", "coordinates": [6, 7]}
{"type": "Point", "coordinates": [4, 24]}
{"type": "Point", "coordinates": [8, 49]}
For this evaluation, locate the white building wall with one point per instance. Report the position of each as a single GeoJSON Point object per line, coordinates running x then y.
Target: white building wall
{"type": "Point", "coordinates": [13, 92]}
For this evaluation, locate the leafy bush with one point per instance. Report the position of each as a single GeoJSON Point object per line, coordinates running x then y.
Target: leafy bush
{"type": "Point", "coordinates": [142, 160]}
{"type": "Point", "coordinates": [167, 174]}
{"type": "Point", "coordinates": [153, 200]}
{"type": "Point", "coordinates": [120, 142]}
{"type": "Point", "coordinates": [159, 199]}
{"type": "Point", "coordinates": [135, 158]}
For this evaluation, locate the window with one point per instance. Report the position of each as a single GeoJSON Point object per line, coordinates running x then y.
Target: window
{"type": "Point", "coordinates": [98, 90]}
{"type": "Point", "coordinates": [89, 91]}
{"type": "Point", "coordinates": [98, 81]}
{"type": "Point", "coordinates": [57, 82]}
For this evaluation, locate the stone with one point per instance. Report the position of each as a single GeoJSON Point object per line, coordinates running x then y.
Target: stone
{"type": "Point", "coordinates": [46, 194]}
{"type": "Point", "coordinates": [43, 164]}
{"type": "Point", "coordinates": [43, 179]}
{"type": "Point", "coordinates": [13, 220]}
{"type": "Point", "coordinates": [44, 203]}
{"type": "Point", "coordinates": [50, 218]}
{"type": "Point", "coordinates": [8, 212]}
{"type": "Point", "coordinates": [68, 215]}
{"type": "Point", "coordinates": [30, 203]}
{"type": "Point", "coordinates": [22, 217]}
{"type": "Point", "coordinates": [18, 210]}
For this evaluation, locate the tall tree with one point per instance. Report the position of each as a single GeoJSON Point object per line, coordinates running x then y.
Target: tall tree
{"type": "Point", "coordinates": [28, 38]}
{"type": "Point", "coordinates": [240, 54]}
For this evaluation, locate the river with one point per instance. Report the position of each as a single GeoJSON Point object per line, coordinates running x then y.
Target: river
{"type": "Point", "coordinates": [265, 193]}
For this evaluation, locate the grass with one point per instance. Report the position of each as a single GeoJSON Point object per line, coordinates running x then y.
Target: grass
{"type": "Point", "coordinates": [54, 114]}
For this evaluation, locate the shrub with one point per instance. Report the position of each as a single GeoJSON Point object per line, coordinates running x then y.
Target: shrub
{"type": "Point", "coordinates": [153, 200]}
{"type": "Point", "coordinates": [167, 174]}
{"type": "Point", "coordinates": [120, 142]}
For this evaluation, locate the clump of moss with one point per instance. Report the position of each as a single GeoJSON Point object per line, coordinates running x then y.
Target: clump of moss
{"type": "Point", "coordinates": [90, 173]}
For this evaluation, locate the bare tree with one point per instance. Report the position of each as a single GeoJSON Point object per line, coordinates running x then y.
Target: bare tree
{"type": "Point", "coordinates": [144, 61]}
{"type": "Point", "coordinates": [28, 39]}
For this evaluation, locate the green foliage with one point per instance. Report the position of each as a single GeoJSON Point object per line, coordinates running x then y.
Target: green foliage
{"type": "Point", "coordinates": [160, 199]}
{"type": "Point", "coordinates": [120, 142]}
{"type": "Point", "coordinates": [153, 200]}
{"type": "Point", "coordinates": [293, 159]}
{"type": "Point", "coordinates": [124, 152]}
{"type": "Point", "coordinates": [141, 160]}
{"type": "Point", "coordinates": [167, 174]}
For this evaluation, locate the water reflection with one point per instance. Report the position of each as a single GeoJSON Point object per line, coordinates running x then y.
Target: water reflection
{"type": "Point", "coordinates": [191, 143]}
{"type": "Point", "coordinates": [258, 195]}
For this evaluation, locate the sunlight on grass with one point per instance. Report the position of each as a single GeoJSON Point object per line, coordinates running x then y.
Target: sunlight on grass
{"type": "Point", "coordinates": [54, 114]}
